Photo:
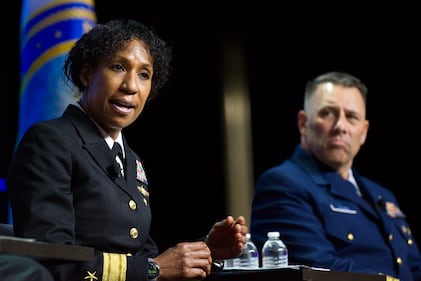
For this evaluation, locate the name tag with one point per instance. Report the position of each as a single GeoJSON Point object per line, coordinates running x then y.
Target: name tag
{"type": "Point", "coordinates": [342, 209]}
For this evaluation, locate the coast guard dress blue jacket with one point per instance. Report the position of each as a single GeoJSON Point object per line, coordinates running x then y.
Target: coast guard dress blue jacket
{"type": "Point", "coordinates": [325, 223]}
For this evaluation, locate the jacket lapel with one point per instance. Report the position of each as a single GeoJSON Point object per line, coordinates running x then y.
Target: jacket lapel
{"type": "Point", "coordinates": [94, 143]}
{"type": "Point", "coordinates": [326, 178]}
{"type": "Point", "coordinates": [343, 188]}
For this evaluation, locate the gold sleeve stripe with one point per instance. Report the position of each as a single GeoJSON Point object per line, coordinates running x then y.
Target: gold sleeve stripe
{"type": "Point", "coordinates": [115, 267]}
{"type": "Point", "coordinates": [390, 278]}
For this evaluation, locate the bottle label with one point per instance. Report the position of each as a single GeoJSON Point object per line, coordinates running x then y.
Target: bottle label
{"type": "Point", "coordinates": [275, 262]}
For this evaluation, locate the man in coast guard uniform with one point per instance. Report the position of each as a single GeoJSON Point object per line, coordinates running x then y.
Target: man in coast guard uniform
{"type": "Point", "coordinates": [329, 215]}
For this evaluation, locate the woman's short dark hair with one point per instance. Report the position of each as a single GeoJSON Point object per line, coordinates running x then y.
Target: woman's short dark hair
{"type": "Point", "coordinates": [104, 40]}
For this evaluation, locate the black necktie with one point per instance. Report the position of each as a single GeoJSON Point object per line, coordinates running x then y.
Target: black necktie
{"type": "Point", "coordinates": [117, 151]}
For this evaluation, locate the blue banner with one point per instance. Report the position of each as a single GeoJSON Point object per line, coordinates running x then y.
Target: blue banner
{"type": "Point", "coordinates": [48, 30]}
{"type": "Point", "coordinates": [2, 185]}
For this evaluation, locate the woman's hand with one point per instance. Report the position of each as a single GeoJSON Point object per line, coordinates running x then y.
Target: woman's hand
{"type": "Point", "coordinates": [227, 238]}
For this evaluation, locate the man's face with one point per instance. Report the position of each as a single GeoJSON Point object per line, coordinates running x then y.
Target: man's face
{"type": "Point", "coordinates": [333, 125]}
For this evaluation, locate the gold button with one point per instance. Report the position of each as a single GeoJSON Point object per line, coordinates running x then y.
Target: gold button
{"type": "Point", "coordinates": [410, 241]}
{"type": "Point", "coordinates": [399, 261]}
{"type": "Point", "coordinates": [132, 205]}
{"type": "Point", "coordinates": [134, 233]}
{"type": "Point", "coordinates": [350, 236]}
{"type": "Point", "coordinates": [390, 237]}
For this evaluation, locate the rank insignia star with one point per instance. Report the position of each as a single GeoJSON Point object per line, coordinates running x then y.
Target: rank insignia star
{"type": "Point", "coordinates": [90, 276]}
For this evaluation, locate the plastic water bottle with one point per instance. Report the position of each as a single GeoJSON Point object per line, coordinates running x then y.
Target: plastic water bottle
{"type": "Point", "coordinates": [228, 263]}
{"type": "Point", "coordinates": [249, 258]}
{"type": "Point", "coordinates": [274, 252]}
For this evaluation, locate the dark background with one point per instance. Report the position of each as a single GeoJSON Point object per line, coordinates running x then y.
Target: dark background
{"type": "Point", "coordinates": [179, 135]}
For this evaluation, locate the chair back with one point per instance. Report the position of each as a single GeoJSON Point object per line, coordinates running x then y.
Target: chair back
{"type": "Point", "coordinates": [6, 229]}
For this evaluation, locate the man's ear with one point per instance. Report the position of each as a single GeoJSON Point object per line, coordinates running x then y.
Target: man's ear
{"type": "Point", "coordinates": [302, 122]}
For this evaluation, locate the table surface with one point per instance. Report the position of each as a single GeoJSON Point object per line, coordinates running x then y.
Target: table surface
{"type": "Point", "coordinates": [293, 273]}
{"type": "Point", "coordinates": [44, 250]}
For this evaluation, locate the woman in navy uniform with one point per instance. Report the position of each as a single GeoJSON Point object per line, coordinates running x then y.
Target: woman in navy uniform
{"type": "Point", "coordinates": [67, 187]}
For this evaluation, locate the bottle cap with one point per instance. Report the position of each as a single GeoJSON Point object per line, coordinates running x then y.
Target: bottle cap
{"type": "Point", "coordinates": [273, 234]}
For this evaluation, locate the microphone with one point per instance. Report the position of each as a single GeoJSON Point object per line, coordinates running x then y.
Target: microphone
{"type": "Point", "coordinates": [114, 171]}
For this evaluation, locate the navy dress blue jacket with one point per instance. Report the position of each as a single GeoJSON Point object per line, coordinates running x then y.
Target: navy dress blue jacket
{"type": "Point", "coordinates": [64, 190]}
{"type": "Point", "coordinates": [324, 223]}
